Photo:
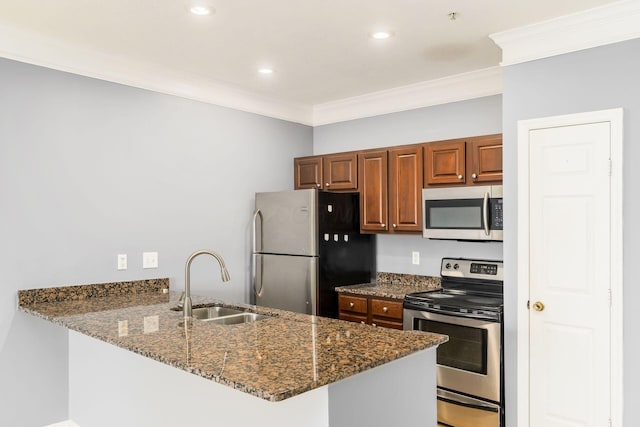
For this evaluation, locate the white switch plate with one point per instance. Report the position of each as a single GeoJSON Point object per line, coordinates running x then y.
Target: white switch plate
{"type": "Point", "coordinates": [151, 324]}
{"type": "Point", "coordinates": [415, 258]}
{"type": "Point", "coordinates": [123, 328]}
{"type": "Point", "coordinates": [122, 261]}
{"type": "Point", "coordinates": [150, 260]}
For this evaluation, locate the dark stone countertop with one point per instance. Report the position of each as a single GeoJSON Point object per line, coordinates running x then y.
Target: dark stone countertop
{"type": "Point", "coordinates": [274, 359]}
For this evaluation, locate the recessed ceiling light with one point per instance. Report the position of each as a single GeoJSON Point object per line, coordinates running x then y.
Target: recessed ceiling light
{"type": "Point", "coordinates": [381, 35]}
{"type": "Point", "coordinates": [265, 70]}
{"type": "Point", "coordinates": [201, 8]}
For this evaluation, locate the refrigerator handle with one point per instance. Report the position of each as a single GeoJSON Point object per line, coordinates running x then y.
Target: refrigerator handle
{"type": "Point", "coordinates": [254, 250]}
{"type": "Point", "coordinates": [254, 243]}
{"type": "Point", "coordinates": [255, 277]}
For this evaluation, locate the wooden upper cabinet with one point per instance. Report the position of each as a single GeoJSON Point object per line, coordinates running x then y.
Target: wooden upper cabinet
{"type": "Point", "coordinates": [340, 171]}
{"type": "Point", "coordinates": [469, 161]}
{"type": "Point", "coordinates": [307, 172]}
{"type": "Point", "coordinates": [372, 178]}
{"type": "Point", "coordinates": [405, 188]}
{"type": "Point", "coordinates": [484, 159]}
{"type": "Point", "coordinates": [444, 162]}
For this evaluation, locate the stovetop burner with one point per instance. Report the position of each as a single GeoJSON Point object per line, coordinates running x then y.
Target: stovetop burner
{"type": "Point", "coordinates": [469, 289]}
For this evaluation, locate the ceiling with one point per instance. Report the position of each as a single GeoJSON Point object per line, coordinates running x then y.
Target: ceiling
{"type": "Point", "coordinates": [320, 50]}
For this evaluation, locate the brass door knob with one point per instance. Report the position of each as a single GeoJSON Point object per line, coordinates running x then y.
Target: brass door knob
{"type": "Point", "coordinates": [538, 306]}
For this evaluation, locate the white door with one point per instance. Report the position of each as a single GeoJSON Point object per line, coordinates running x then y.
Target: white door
{"type": "Point", "coordinates": [569, 276]}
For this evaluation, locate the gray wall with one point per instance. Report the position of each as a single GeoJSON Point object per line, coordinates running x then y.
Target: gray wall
{"type": "Point", "coordinates": [90, 169]}
{"type": "Point", "coordinates": [479, 116]}
{"type": "Point", "coordinates": [595, 79]}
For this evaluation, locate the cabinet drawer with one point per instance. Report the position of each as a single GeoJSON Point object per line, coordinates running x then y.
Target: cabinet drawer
{"type": "Point", "coordinates": [352, 304]}
{"type": "Point", "coordinates": [352, 317]}
{"type": "Point", "coordinates": [386, 324]}
{"type": "Point", "coordinates": [386, 308]}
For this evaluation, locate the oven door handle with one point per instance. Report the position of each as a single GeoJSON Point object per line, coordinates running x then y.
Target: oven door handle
{"type": "Point", "coordinates": [485, 213]}
{"type": "Point", "coordinates": [466, 401]}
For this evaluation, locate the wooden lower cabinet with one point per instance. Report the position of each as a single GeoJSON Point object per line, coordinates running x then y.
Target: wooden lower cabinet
{"type": "Point", "coordinates": [374, 311]}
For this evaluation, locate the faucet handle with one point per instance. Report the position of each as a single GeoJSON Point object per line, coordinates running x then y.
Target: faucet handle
{"type": "Point", "coordinates": [181, 301]}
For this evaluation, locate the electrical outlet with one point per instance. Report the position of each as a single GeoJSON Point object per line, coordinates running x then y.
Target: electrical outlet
{"type": "Point", "coordinates": [150, 260]}
{"type": "Point", "coordinates": [122, 261]}
{"type": "Point", "coordinates": [415, 258]}
{"type": "Point", "coordinates": [123, 328]}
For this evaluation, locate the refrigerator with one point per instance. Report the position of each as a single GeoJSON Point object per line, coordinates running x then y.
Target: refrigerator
{"type": "Point", "coordinates": [305, 243]}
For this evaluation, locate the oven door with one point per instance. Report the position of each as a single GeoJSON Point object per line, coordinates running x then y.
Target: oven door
{"type": "Point", "coordinates": [469, 362]}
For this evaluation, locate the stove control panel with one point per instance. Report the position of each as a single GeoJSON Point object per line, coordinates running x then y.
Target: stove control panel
{"type": "Point", "coordinates": [471, 269]}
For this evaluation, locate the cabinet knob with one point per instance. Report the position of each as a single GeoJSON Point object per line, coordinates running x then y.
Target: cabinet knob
{"type": "Point", "coordinates": [362, 321]}
{"type": "Point", "coordinates": [326, 184]}
{"type": "Point", "coordinates": [394, 225]}
{"type": "Point", "coordinates": [318, 185]}
{"type": "Point", "coordinates": [351, 305]}
{"type": "Point", "coordinates": [382, 225]}
{"type": "Point", "coordinates": [474, 176]}
{"type": "Point", "coordinates": [373, 324]}
{"type": "Point", "coordinates": [385, 309]}
{"type": "Point", "coordinates": [460, 177]}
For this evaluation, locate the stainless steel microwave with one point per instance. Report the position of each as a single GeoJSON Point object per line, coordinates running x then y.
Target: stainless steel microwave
{"type": "Point", "coordinates": [463, 213]}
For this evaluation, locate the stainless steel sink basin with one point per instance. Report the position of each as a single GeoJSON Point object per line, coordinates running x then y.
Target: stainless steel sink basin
{"type": "Point", "coordinates": [225, 315]}
{"type": "Point", "coordinates": [209, 313]}
{"type": "Point", "coordinates": [237, 319]}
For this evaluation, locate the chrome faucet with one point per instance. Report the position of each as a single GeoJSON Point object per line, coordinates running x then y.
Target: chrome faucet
{"type": "Point", "coordinates": [186, 295]}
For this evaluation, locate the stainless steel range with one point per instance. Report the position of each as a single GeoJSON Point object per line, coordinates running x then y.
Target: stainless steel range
{"type": "Point", "coordinates": [468, 309]}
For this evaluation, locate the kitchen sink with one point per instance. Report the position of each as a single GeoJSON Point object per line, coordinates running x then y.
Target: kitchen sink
{"type": "Point", "coordinates": [210, 313]}
{"type": "Point", "coordinates": [237, 319]}
{"type": "Point", "coordinates": [225, 315]}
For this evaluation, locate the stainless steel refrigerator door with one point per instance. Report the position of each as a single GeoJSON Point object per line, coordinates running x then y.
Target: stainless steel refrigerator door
{"type": "Point", "coordinates": [286, 282]}
{"type": "Point", "coordinates": [286, 223]}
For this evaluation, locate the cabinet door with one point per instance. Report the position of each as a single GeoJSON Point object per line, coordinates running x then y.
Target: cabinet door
{"type": "Point", "coordinates": [485, 159]}
{"type": "Point", "coordinates": [444, 162]}
{"type": "Point", "coordinates": [307, 172]}
{"type": "Point", "coordinates": [405, 189]}
{"type": "Point", "coordinates": [372, 176]}
{"type": "Point", "coordinates": [340, 171]}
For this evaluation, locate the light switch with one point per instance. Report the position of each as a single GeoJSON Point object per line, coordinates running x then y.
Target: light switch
{"type": "Point", "coordinates": [151, 324]}
{"type": "Point", "coordinates": [150, 260]}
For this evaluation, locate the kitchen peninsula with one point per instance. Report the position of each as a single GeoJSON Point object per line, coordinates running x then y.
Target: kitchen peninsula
{"type": "Point", "coordinates": [287, 369]}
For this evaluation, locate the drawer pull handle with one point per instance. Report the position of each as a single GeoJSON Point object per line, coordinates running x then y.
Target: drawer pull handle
{"type": "Point", "coordinates": [385, 309]}
{"type": "Point", "coordinates": [351, 305]}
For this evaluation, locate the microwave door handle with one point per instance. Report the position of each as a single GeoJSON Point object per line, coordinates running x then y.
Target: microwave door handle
{"type": "Point", "coordinates": [485, 213]}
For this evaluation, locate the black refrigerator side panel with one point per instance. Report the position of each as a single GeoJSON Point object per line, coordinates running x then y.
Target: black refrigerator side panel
{"type": "Point", "coordinates": [346, 256]}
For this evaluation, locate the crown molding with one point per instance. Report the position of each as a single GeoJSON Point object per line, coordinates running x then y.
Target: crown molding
{"type": "Point", "coordinates": [600, 26]}
{"type": "Point", "coordinates": [454, 88]}
{"type": "Point", "coordinates": [32, 48]}
{"type": "Point", "coordinates": [20, 45]}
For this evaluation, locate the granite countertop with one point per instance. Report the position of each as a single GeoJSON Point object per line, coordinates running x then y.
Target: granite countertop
{"type": "Point", "coordinates": [393, 285]}
{"type": "Point", "coordinates": [274, 358]}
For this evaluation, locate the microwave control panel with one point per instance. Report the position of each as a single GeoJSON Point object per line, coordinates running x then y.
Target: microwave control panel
{"type": "Point", "coordinates": [496, 214]}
